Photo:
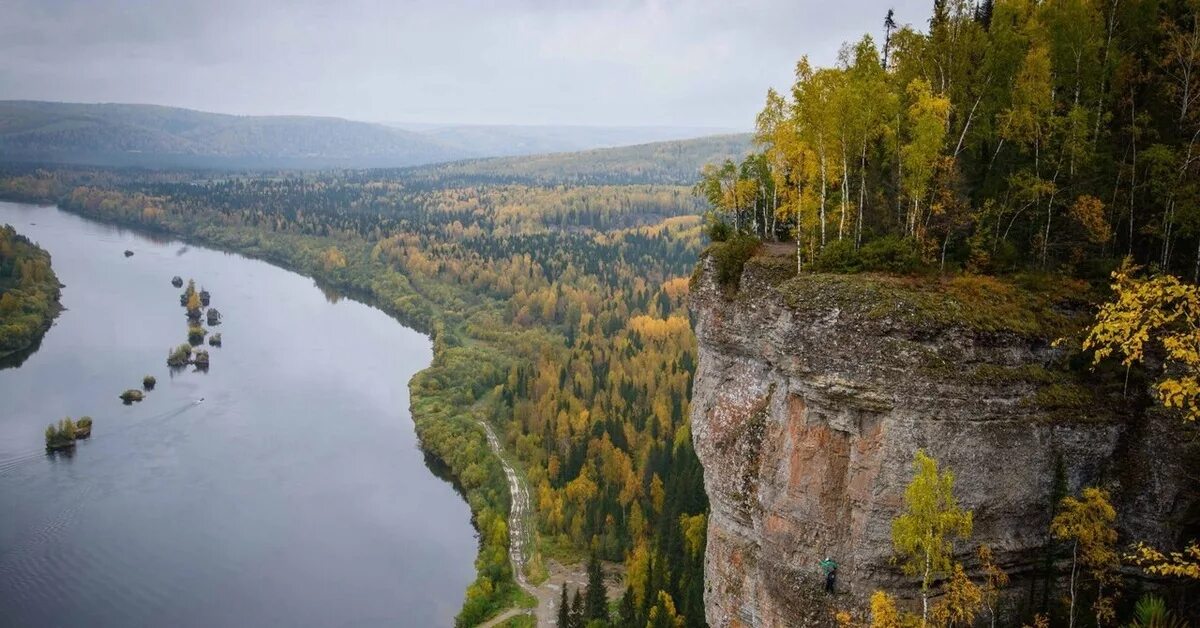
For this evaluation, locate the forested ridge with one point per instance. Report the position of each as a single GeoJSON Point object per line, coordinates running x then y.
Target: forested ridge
{"type": "Point", "coordinates": [28, 292]}
{"type": "Point", "coordinates": [557, 314]}
{"type": "Point", "coordinates": [1057, 135]}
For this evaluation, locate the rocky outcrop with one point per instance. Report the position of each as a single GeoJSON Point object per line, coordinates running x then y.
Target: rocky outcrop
{"type": "Point", "coordinates": [813, 393]}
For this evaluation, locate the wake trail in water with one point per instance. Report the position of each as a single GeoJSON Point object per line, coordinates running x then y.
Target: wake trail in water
{"type": "Point", "coordinates": [10, 464]}
{"type": "Point", "coordinates": [22, 567]}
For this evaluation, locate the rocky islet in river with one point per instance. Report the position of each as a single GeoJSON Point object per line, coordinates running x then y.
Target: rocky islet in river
{"type": "Point", "coordinates": [196, 302]}
{"type": "Point", "coordinates": [62, 436]}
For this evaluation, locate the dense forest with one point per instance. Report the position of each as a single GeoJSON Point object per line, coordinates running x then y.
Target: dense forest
{"type": "Point", "coordinates": [557, 314]}
{"type": "Point", "coordinates": [1058, 135]}
{"type": "Point", "coordinates": [28, 292]}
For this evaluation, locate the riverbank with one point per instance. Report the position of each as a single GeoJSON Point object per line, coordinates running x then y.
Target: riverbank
{"type": "Point", "coordinates": [29, 293]}
{"type": "Point", "coordinates": [562, 306]}
{"type": "Point", "coordinates": [442, 396]}
{"type": "Point", "coordinates": [338, 521]}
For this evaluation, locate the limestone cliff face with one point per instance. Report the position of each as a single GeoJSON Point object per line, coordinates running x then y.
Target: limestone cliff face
{"type": "Point", "coordinates": [812, 395]}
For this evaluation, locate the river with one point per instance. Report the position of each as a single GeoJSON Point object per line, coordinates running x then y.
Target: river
{"type": "Point", "coordinates": [294, 494]}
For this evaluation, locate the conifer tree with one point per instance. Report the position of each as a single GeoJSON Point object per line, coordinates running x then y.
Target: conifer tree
{"type": "Point", "coordinates": [564, 609]}
{"type": "Point", "coordinates": [576, 617]}
{"type": "Point", "coordinates": [627, 613]}
{"type": "Point", "coordinates": [597, 602]}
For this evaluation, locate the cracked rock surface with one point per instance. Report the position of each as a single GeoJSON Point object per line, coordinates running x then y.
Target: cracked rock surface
{"type": "Point", "coordinates": [809, 405]}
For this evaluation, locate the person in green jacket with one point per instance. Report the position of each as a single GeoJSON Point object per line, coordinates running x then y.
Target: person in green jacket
{"type": "Point", "coordinates": [830, 569]}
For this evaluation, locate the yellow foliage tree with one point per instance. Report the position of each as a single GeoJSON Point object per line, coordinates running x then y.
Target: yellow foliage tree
{"type": "Point", "coordinates": [663, 615]}
{"type": "Point", "coordinates": [1039, 621]}
{"type": "Point", "coordinates": [960, 603]}
{"type": "Point", "coordinates": [1087, 523]}
{"type": "Point", "coordinates": [994, 580]}
{"type": "Point", "coordinates": [1160, 311]}
{"type": "Point", "coordinates": [333, 259]}
{"type": "Point", "coordinates": [884, 613]}
{"type": "Point", "coordinates": [923, 535]}
{"type": "Point", "coordinates": [1184, 564]}
{"type": "Point", "coordinates": [1088, 211]}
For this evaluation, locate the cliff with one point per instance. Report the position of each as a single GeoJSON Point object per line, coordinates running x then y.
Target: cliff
{"type": "Point", "coordinates": [813, 392]}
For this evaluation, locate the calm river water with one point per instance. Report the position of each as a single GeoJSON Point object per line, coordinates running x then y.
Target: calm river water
{"type": "Point", "coordinates": [294, 494]}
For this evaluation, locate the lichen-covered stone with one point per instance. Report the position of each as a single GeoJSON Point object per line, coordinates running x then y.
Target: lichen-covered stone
{"type": "Point", "coordinates": [812, 395]}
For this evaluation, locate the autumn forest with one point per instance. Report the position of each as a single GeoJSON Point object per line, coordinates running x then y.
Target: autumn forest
{"type": "Point", "coordinates": [1051, 145]}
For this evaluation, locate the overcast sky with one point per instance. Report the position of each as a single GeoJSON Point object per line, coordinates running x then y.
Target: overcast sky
{"type": "Point", "coordinates": [690, 63]}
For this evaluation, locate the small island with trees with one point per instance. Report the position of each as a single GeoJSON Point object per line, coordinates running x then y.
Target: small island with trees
{"type": "Point", "coordinates": [62, 435]}
{"type": "Point", "coordinates": [29, 292]}
{"type": "Point", "coordinates": [196, 303]}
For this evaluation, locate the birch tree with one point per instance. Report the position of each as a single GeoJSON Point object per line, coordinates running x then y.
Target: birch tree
{"type": "Point", "coordinates": [923, 535]}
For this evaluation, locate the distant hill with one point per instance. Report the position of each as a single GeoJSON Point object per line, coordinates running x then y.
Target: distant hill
{"type": "Point", "coordinates": [675, 162]}
{"type": "Point", "coordinates": [154, 136]}
{"type": "Point", "coordinates": [512, 140]}
{"type": "Point", "coordinates": [169, 137]}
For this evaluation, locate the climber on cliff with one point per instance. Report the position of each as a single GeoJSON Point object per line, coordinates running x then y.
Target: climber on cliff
{"type": "Point", "coordinates": [830, 569]}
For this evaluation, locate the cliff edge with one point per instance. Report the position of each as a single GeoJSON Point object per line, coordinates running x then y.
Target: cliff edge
{"type": "Point", "coordinates": [813, 392]}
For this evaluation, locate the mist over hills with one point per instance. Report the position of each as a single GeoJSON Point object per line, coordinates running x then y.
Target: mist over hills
{"type": "Point", "coordinates": [675, 162]}
{"type": "Point", "coordinates": [491, 140]}
{"type": "Point", "coordinates": [169, 137]}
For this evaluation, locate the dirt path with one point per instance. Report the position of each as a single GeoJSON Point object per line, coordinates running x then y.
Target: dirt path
{"type": "Point", "coordinates": [499, 620]}
{"type": "Point", "coordinates": [518, 523]}
{"type": "Point", "coordinates": [574, 578]}
{"type": "Point", "coordinates": [548, 593]}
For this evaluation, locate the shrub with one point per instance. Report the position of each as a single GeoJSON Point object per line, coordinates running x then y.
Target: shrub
{"type": "Point", "coordinates": [179, 355]}
{"type": "Point", "coordinates": [718, 230]}
{"type": "Point", "coordinates": [83, 427]}
{"type": "Point", "coordinates": [838, 257]}
{"type": "Point", "coordinates": [62, 435]}
{"type": "Point", "coordinates": [148, 382]}
{"type": "Point", "coordinates": [891, 254]}
{"type": "Point", "coordinates": [132, 395]}
{"type": "Point", "coordinates": [196, 334]}
{"type": "Point", "coordinates": [215, 340]}
{"type": "Point", "coordinates": [730, 257]}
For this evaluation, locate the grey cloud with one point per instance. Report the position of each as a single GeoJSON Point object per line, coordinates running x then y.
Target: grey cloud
{"type": "Point", "coordinates": [692, 63]}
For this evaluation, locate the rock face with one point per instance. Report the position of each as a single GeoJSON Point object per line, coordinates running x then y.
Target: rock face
{"type": "Point", "coordinates": [810, 399]}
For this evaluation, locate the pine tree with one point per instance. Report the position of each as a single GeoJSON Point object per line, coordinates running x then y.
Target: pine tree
{"type": "Point", "coordinates": [564, 609]}
{"type": "Point", "coordinates": [627, 613]}
{"type": "Point", "coordinates": [597, 602]}
{"type": "Point", "coordinates": [576, 617]}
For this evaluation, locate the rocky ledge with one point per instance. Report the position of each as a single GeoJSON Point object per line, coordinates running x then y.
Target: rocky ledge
{"type": "Point", "coordinates": [813, 392]}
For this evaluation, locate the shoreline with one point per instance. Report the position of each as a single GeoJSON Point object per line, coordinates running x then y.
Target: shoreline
{"type": "Point", "coordinates": [17, 355]}
{"type": "Point", "coordinates": [421, 406]}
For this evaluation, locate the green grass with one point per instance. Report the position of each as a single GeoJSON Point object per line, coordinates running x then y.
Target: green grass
{"type": "Point", "coordinates": [560, 549]}
{"type": "Point", "coordinates": [521, 621]}
{"type": "Point", "coordinates": [1045, 308]}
